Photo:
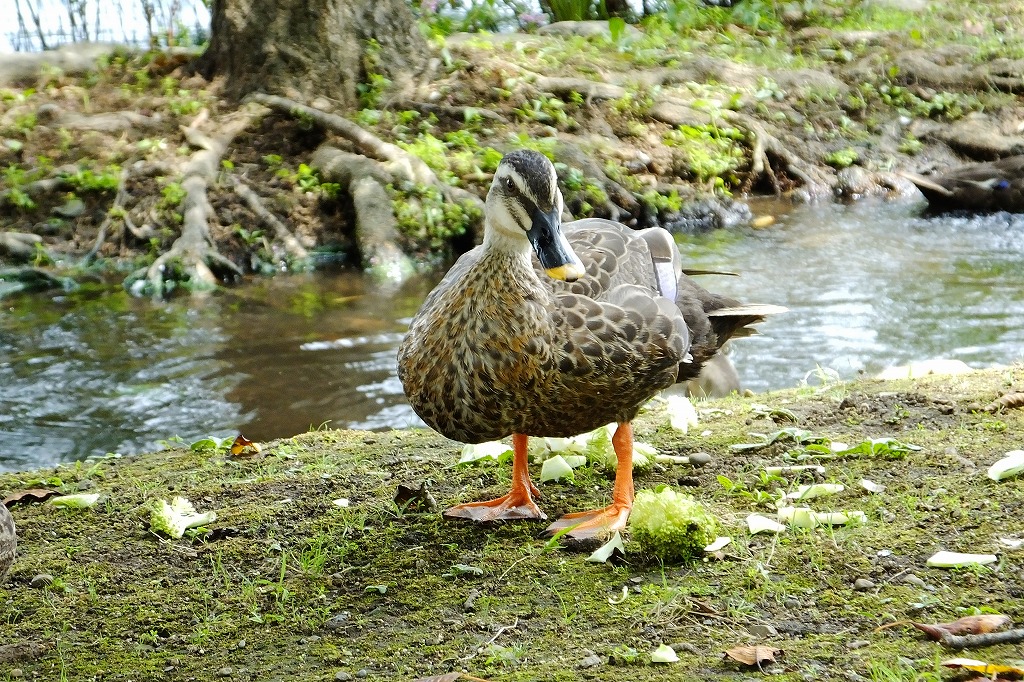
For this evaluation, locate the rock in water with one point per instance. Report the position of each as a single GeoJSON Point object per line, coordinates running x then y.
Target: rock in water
{"type": "Point", "coordinates": [8, 540]}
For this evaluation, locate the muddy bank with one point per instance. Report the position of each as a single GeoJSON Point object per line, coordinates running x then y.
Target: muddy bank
{"type": "Point", "coordinates": [286, 583]}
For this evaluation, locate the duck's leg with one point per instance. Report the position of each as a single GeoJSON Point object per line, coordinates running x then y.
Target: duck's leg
{"type": "Point", "coordinates": [517, 504]}
{"type": "Point", "coordinates": [604, 522]}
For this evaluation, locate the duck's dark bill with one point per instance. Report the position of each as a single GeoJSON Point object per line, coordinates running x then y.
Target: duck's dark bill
{"type": "Point", "coordinates": [556, 256]}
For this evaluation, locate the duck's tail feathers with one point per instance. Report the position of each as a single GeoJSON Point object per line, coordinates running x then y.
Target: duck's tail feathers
{"type": "Point", "coordinates": [689, 272]}
{"type": "Point", "coordinates": [734, 322]}
{"type": "Point", "coordinates": [927, 185]}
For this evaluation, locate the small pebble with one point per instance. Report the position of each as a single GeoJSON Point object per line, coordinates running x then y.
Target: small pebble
{"type": "Point", "coordinates": [15, 672]}
{"type": "Point", "coordinates": [912, 579]}
{"type": "Point", "coordinates": [862, 584]}
{"type": "Point", "coordinates": [762, 631]}
{"type": "Point", "coordinates": [41, 580]}
{"type": "Point", "coordinates": [226, 671]}
{"type": "Point", "coordinates": [342, 676]}
{"type": "Point", "coordinates": [362, 673]}
{"type": "Point", "coordinates": [791, 603]}
{"type": "Point", "coordinates": [241, 644]}
{"type": "Point", "coordinates": [470, 603]}
{"type": "Point", "coordinates": [688, 647]}
{"type": "Point", "coordinates": [591, 661]}
{"type": "Point", "coordinates": [699, 459]}
{"type": "Point", "coordinates": [858, 644]}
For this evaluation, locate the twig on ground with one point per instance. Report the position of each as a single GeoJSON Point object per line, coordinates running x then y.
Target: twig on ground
{"type": "Point", "coordinates": [984, 639]}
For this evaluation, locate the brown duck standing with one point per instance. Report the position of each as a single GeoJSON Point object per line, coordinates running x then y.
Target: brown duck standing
{"type": "Point", "coordinates": [992, 186]}
{"type": "Point", "coordinates": [582, 336]}
{"type": "Point", "coordinates": [8, 541]}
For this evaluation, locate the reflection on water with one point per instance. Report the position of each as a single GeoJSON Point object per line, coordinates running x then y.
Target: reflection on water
{"type": "Point", "coordinates": [868, 286]}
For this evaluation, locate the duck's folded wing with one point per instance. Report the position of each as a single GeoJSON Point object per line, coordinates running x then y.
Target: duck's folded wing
{"type": "Point", "coordinates": [614, 255]}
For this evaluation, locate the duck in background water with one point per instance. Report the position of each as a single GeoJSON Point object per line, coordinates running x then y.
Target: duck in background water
{"type": "Point", "coordinates": [992, 186]}
{"type": "Point", "coordinates": [583, 334]}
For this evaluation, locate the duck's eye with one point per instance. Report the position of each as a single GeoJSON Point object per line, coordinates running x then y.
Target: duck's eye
{"type": "Point", "coordinates": [509, 184]}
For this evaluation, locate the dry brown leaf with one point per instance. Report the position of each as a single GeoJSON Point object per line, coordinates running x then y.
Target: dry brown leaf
{"type": "Point", "coordinates": [753, 655]}
{"type": "Point", "coordinates": [243, 447]}
{"type": "Point", "coordinates": [1005, 402]}
{"type": "Point", "coordinates": [977, 625]}
{"type": "Point", "coordinates": [29, 496]}
{"type": "Point", "coordinates": [968, 625]}
{"type": "Point", "coordinates": [447, 677]}
{"type": "Point", "coordinates": [993, 670]}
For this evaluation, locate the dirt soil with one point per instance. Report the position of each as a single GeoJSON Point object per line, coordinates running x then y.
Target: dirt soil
{"type": "Point", "coordinates": [286, 584]}
{"type": "Point", "coordinates": [134, 165]}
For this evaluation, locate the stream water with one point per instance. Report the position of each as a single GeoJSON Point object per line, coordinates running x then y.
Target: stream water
{"type": "Point", "coordinates": [868, 286]}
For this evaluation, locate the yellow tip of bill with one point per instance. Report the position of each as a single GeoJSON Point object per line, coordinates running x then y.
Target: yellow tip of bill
{"type": "Point", "coordinates": [570, 272]}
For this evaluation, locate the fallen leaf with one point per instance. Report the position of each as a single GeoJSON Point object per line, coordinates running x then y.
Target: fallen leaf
{"type": "Point", "coordinates": [488, 450]}
{"type": "Point", "coordinates": [968, 625]}
{"type": "Point", "coordinates": [609, 550]}
{"type": "Point", "coordinates": [753, 655]}
{"type": "Point", "coordinates": [29, 496]}
{"type": "Point", "coordinates": [991, 669]}
{"type": "Point", "coordinates": [243, 447]}
{"type": "Point", "coordinates": [976, 625]}
{"type": "Point", "coordinates": [806, 492]}
{"type": "Point", "coordinates": [1012, 543]}
{"type": "Point", "coordinates": [1010, 465]}
{"type": "Point", "coordinates": [411, 499]}
{"type": "Point", "coordinates": [78, 501]}
{"type": "Point", "coordinates": [1006, 402]}
{"type": "Point", "coordinates": [664, 654]}
{"type": "Point", "coordinates": [720, 542]}
{"type": "Point", "coordinates": [555, 469]}
{"type": "Point", "coordinates": [946, 559]}
{"type": "Point", "coordinates": [762, 524]}
{"type": "Point", "coordinates": [871, 486]}
{"type": "Point", "coordinates": [447, 677]}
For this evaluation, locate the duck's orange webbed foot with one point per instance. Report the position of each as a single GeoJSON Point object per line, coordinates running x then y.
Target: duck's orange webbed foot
{"type": "Point", "coordinates": [601, 523]}
{"type": "Point", "coordinates": [517, 504]}
{"type": "Point", "coordinates": [505, 508]}
{"type": "Point", "coordinates": [593, 524]}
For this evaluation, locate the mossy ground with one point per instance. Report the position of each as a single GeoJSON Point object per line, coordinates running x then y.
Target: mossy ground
{"type": "Point", "coordinates": [286, 585]}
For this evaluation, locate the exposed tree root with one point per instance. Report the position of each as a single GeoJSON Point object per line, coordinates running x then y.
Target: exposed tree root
{"type": "Point", "coordinates": [452, 111]}
{"type": "Point", "coordinates": [106, 122]}
{"type": "Point", "coordinates": [591, 90]}
{"type": "Point", "coordinates": [403, 163]}
{"type": "Point", "coordinates": [291, 244]}
{"type": "Point", "coordinates": [115, 210]}
{"type": "Point", "coordinates": [376, 228]}
{"type": "Point", "coordinates": [999, 74]}
{"type": "Point", "coordinates": [768, 154]}
{"type": "Point", "coordinates": [194, 249]}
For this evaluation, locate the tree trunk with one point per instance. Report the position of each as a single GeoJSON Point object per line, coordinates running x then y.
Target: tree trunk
{"type": "Point", "coordinates": [304, 49]}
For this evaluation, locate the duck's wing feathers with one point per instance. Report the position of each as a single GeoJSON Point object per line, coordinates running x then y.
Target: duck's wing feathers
{"type": "Point", "coordinates": [614, 254]}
